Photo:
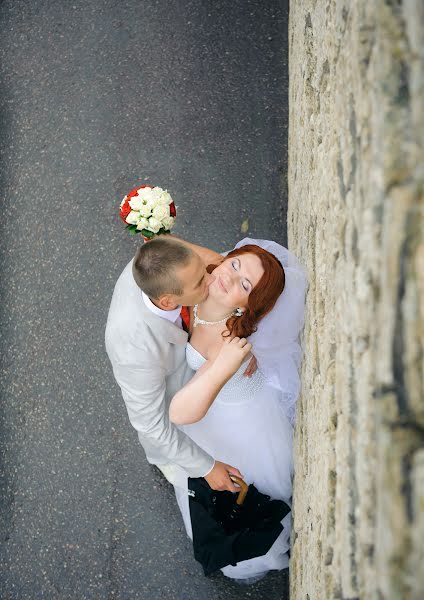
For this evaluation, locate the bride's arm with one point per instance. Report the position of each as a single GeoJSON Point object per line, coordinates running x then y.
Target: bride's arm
{"type": "Point", "coordinates": [209, 257]}
{"type": "Point", "coordinates": [193, 401]}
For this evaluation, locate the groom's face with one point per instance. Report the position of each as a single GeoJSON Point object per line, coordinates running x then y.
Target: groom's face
{"type": "Point", "coordinates": [195, 281]}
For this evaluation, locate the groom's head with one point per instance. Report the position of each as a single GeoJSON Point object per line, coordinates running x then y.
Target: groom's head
{"type": "Point", "coordinates": [171, 273]}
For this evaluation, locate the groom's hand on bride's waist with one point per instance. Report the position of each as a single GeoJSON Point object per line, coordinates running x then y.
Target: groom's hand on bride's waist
{"type": "Point", "coordinates": [251, 367]}
{"type": "Point", "coordinates": [219, 478]}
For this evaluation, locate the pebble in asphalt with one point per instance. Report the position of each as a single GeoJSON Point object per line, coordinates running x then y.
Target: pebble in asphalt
{"type": "Point", "coordinates": [97, 97]}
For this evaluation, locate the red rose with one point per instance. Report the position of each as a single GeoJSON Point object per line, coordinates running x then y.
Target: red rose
{"type": "Point", "coordinates": [125, 210]}
{"type": "Point", "coordinates": [172, 210]}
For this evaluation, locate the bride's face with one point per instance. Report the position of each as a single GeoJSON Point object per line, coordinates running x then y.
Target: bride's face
{"type": "Point", "coordinates": [235, 278]}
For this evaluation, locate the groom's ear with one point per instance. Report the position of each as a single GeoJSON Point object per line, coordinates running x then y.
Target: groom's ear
{"type": "Point", "coordinates": [167, 302]}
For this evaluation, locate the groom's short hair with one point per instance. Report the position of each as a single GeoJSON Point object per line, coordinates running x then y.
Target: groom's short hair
{"type": "Point", "coordinates": [156, 264]}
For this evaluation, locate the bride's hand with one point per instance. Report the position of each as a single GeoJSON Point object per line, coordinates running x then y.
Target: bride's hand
{"type": "Point", "coordinates": [232, 354]}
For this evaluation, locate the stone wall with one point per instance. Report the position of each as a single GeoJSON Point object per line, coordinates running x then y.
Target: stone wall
{"type": "Point", "coordinates": [356, 181]}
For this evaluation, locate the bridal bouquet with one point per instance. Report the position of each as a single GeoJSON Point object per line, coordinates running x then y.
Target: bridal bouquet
{"type": "Point", "coordinates": [149, 211]}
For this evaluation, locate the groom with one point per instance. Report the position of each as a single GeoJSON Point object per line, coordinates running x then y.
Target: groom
{"type": "Point", "coordinates": [145, 341]}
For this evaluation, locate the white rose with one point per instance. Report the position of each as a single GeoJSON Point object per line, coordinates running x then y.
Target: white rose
{"type": "Point", "coordinates": [145, 194]}
{"type": "Point", "coordinates": [154, 201]}
{"type": "Point", "coordinates": [142, 224]}
{"type": "Point", "coordinates": [157, 192]}
{"type": "Point", "coordinates": [154, 225]}
{"type": "Point", "coordinates": [160, 212]}
{"type": "Point", "coordinates": [166, 198]}
{"type": "Point", "coordinates": [145, 210]}
{"type": "Point", "coordinates": [136, 203]}
{"type": "Point", "coordinates": [123, 202]}
{"type": "Point", "coordinates": [161, 197]}
{"type": "Point", "coordinates": [132, 218]}
{"type": "Point", "coordinates": [168, 222]}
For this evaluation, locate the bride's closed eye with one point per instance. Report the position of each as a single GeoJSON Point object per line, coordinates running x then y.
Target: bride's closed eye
{"type": "Point", "coordinates": [245, 284]}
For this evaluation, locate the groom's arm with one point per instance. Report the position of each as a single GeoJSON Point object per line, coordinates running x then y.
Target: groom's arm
{"type": "Point", "coordinates": [144, 389]}
{"type": "Point", "coordinates": [209, 257]}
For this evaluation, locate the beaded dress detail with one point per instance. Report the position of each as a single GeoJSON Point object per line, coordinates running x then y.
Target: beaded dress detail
{"type": "Point", "coordinates": [239, 389]}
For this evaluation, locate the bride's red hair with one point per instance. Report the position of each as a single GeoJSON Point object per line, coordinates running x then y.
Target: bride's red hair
{"type": "Point", "coordinates": [263, 296]}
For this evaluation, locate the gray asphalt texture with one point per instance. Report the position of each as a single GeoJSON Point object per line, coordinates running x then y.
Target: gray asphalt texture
{"type": "Point", "coordinates": [96, 98]}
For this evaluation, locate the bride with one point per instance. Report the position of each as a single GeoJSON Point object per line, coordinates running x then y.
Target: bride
{"type": "Point", "coordinates": [258, 292]}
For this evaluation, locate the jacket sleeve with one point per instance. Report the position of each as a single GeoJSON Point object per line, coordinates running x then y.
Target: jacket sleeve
{"type": "Point", "coordinates": [144, 389]}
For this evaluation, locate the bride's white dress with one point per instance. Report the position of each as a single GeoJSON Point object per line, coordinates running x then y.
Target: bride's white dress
{"type": "Point", "coordinates": [247, 427]}
{"type": "Point", "coordinates": [250, 423]}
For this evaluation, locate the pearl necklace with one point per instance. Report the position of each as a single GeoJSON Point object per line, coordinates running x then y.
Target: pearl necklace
{"type": "Point", "coordinates": [198, 321]}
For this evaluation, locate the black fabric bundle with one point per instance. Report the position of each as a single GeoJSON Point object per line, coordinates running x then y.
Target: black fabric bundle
{"type": "Point", "coordinates": [225, 533]}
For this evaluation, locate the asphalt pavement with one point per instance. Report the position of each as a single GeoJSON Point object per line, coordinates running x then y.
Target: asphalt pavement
{"type": "Point", "coordinates": [97, 97]}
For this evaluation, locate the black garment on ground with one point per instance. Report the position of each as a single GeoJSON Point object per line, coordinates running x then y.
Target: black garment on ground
{"type": "Point", "coordinates": [224, 533]}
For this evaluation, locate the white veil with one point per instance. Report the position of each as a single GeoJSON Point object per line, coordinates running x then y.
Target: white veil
{"type": "Point", "coordinates": [276, 342]}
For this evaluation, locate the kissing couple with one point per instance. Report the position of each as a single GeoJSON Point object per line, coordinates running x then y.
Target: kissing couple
{"type": "Point", "coordinates": [206, 352]}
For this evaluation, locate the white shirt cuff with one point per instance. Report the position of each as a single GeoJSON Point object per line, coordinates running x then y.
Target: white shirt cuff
{"type": "Point", "coordinates": [209, 470]}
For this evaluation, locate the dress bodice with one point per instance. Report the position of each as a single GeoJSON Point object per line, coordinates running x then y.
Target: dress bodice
{"type": "Point", "coordinates": [239, 389]}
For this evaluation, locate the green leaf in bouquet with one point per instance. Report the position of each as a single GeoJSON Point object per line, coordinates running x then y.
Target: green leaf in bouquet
{"type": "Point", "coordinates": [147, 234]}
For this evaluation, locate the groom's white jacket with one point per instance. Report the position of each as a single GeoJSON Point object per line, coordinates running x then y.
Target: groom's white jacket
{"type": "Point", "coordinates": [148, 359]}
